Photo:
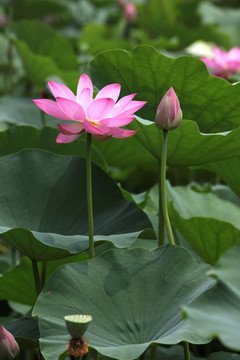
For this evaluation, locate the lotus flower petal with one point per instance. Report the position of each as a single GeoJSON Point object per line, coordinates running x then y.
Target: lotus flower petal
{"type": "Point", "coordinates": [110, 91]}
{"type": "Point", "coordinates": [65, 139]}
{"type": "Point", "coordinates": [223, 64]}
{"type": "Point", "coordinates": [60, 90]}
{"type": "Point", "coordinates": [51, 108]}
{"type": "Point", "coordinates": [121, 104]}
{"type": "Point", "coordinates": [85, 99]}
{"type": "Point", "coordinates": [84, 83]}
{"type": "Point", "coordinates": [121, 133]}
{"type": "Point", "coordinates": [98, 130]}
{"type": "Point", "coordinates": [72, 109]}
{"type": "Point", "coordinates": [70, 129]}
{"type": "Point", "coordinates": [100, 108]}
{"type": "Point", "coordinates": [132, 107]}
{"type": "Point", "coordinates": [117, 121]}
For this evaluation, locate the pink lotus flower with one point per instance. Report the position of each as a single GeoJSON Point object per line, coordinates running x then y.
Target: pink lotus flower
{"type": "Point", "coordinates": [9, 348]}
{"type": "Point", "coordinates": [130, 12]}
{"type": "Point", "coordinates": [169, 113]}
{"type": "Point", "coordinates": [102, 116]}
{"type": "Point", "coordinates": [223, 64]}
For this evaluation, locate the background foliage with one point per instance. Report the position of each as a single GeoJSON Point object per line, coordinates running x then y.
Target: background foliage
{"type": "Point", "coordinates": [142, 298]}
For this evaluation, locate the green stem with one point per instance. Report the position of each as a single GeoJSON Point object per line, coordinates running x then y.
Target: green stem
{"type": "Point", "coordinates": [186, 350]}
{"type": "Point", "coordinates": [153, 355]}
{"type": "Point", "coordinates": [36, 277]}
{"type": "Point", "coordinates": [96, 355]}
{"type": "Point", "coordinates": [43, 273]}
{"type": "Point", "coordinates": [163, 187]}
{"type": "Point", "coordinates": [43, 118]}
{"type": "Point", "coordinates": [89, 196]}
{"type": "Point", "coordinates": [160, 211]}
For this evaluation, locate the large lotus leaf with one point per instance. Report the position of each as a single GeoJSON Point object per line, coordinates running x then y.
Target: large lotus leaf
{"type": "Point", "coordinates": [187, 145]}
{"type": "Point", "coordinates": [17, 283]}
{"type": "Point", "coordinates": [134, 297]}
{"type": "Point", "coordinates": [18, 138]}
{"type": "Point", "coordinates": [211, 102]}
{"type": "Point", "coordinates": [210, 224]}
{"type": "Point", "coordinates": [43, 208]}
{"type": "Point", "coordinates": [208, 221]}
{"type": "Point", "coordinates": [217, 312]}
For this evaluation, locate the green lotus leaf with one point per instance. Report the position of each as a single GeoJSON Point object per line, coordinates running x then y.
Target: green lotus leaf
{"type": "Point", "coordinates": [134, 297]}
{"type": "Point", "coordinates": [43, 211]}
{"type": "Point", "coordinates": [18, 138]}
{"type": "Point", "coordinates": [210, 224]}
{"type": "Point", "coordinates": [25, 330]}
{"type": "Point", "coordinates": [210, 101]}
{"type": "Point", "coordinates": [210, 233]}
{"type": "Point", "coordinates": [217, 312]}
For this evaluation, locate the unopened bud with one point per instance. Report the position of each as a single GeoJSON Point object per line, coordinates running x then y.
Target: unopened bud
{"type": "Point", "coordinates": [130, 12]}
{"type": "Point", "coordinates": [9, 348]}
{"type": "Point", "coordinates": [169, 113]}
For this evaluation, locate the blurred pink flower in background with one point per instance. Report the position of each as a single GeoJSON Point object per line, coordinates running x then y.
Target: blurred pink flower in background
{"type": "Point", "coordinates": [223, 63]}
{"type": "Point", "coordinates": [130, 12]}
{"type": "Point", "coordinates": [101, 116]}
{"type": "Point", "coordinates": [9, 348]}
{"type": "Point", "coordinates": [169, 113]}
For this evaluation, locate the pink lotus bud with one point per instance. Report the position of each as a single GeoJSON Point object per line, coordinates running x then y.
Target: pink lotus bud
{"type": "Point", "coordinates": [169, 113]}
{"type": "Point", "coordinates": [9, 348]}
{"type": "Point", "coordinates": [130, 12]}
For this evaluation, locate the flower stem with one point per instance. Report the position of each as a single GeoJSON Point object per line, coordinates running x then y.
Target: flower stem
{"type": "Point", "coordinates": [96, 355]}
{"type": "Point", "coordinates": [89, 196]}
{"type": "Point", "coordinates": [186, 350]}
{"type": "Point", "coordinates": [36, 277]}
{"type": "Point", "coordinates": [43, 118]}
{"type": "Point", "coordinates": [153, 355]}
{"type": "Point", "coordinates": [160, 211]}
{"type": "Point", "coordinates": [163, 187]}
